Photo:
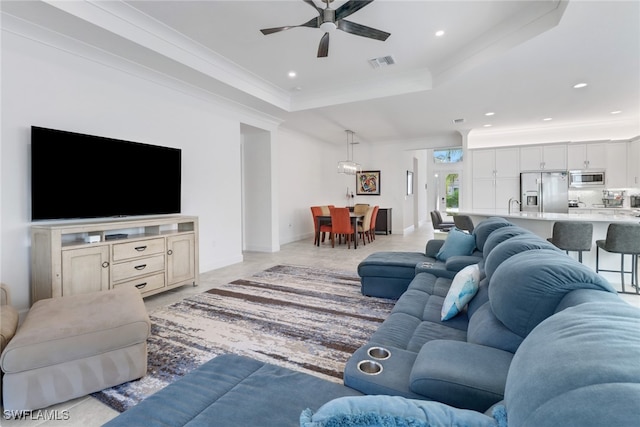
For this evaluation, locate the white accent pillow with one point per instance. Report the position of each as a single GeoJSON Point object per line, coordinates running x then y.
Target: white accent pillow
{"type": "Point", "coordinates": [463, 288]}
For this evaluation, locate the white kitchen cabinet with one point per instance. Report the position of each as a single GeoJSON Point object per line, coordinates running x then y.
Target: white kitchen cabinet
{"type": "Point", "coordinates": [495, 163]}
{"type": "Point", "coordinates": [496, 178]}
{"type": "Point", "coordinates": [587, 156]}
{"type": "Point", "coordinates": [543, 157]}
{"type": "Point", "coordinates": [616, 170]}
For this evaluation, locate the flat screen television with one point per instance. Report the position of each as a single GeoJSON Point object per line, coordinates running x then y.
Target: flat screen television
{"type": "Point", "coordinates": [74, 175]}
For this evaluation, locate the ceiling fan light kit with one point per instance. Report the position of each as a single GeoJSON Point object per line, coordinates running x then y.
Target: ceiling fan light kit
{"type": "Point", "coordinates": [329, 20]}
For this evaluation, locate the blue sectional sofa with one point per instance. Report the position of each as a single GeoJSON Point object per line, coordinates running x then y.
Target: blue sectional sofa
{"type": "Point", "coordinates": [388, 274]}
{"type": "Point", "coordinates": [544, 342]}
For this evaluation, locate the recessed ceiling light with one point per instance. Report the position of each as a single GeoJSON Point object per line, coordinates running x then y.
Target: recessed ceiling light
{"type": "Point", "coordinates": [490, 113]}
{"type": "Point", "coordinates": [439, 33]}
{"type": "Point", "coordinates": [579, 85]}
{"type": "Point", "coordinates": [547, 119]}
{"type": "Point", "coordinates": [488, 125]}
{"type": "Point", "coordinates": [616, 112]}
{"type": "Point", "coordinates": [292, 74]}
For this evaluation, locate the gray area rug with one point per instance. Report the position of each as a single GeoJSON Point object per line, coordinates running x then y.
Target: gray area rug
{"type": "Point", "coordinates": [303, 318]}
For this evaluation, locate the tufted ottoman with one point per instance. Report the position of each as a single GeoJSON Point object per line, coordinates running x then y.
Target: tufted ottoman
{"type": "Point", "coordinates": [71, 346]}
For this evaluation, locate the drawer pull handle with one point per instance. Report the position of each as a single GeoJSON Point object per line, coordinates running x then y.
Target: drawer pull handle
{"type": "Point", "coordinates": [141, 285]}
{"type": "Point", "coordinates": [140, 267]}
{"type": "Point", "coordinates": [140, 248]}
{"type": "Point", "coordinates": [169, 252]}
{"type": "Point", "coordinates": [105, 264]}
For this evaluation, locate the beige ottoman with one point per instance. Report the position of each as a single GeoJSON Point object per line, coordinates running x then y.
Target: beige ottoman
{"type": "Point", "coordinates": [71, 346]}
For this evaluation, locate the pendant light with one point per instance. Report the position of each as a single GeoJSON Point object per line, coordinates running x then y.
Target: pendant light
{"type": "Point", "coordinates": [349, 167]}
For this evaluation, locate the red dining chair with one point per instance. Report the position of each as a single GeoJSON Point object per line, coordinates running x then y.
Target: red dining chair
{"type": "Point", "coordinates": [319, 228]}
{"type": "Point", "coordinates": [341, 224]}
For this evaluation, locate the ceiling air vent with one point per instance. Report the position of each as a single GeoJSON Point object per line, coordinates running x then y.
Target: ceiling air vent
{"type": "Point", "coordinates": [458, 121]}
{"type": "Point", "coordinates": [383, 61]}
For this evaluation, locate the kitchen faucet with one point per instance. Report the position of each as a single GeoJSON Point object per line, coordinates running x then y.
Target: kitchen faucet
{"type": "Point", "coordinates": [511, 200]}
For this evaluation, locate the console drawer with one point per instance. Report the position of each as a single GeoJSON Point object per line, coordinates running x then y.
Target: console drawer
{"type": "Point", "coordinates": [136, 268]}
{"type": "Point", "coordinates": [123, 251]}
{"type": "Point", "coordinates": [145, 284]}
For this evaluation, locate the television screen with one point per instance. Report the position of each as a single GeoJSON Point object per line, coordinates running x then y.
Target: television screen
{"type": "Point", "coordinates": [82, 176]}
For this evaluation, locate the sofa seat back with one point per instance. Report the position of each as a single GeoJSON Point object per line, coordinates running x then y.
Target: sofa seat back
{"type": "Point", "coordinates": [579, 368]}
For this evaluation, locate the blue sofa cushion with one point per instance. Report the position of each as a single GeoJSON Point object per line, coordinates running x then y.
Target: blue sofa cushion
{"type": "Point", "coordinates": [486, 329]}
{"type": "Point", "coordinates": [232, 390]}
{"type": "Point", "coordinates": [486, 227]}
{"type": "Point", "coordinates": [502, 234]}
{"type": "Point", "coordinates": [390, 411]}
{"type": "Point", "coordinates": [457, 243]}
{"type": "Point", "coordinates": [512, 246]}
{"type": "Point", "coordinates": [578, 368]}
{"type": "Point", "coordinates": [528, 287]}
{"type": "Point", "coordinates": [460, 374]}
{"type": "Point", "coordinates": [463, 288]}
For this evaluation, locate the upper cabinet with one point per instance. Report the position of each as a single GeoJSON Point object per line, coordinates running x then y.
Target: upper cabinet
{"type": "Point", "coordinates": [543, 157]}
{"type": "Point", "coordinates": [587, 156]}
{"type": "Point", "coordinates": [496, 178]}
{"type": "Point", "coordinates": [633, 164]}
{"type": "Point", "coordinates": [616, 169]}
{"type": "Point", "coordinates": [496, 163]}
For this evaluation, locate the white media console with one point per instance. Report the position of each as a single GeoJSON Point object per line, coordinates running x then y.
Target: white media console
{"type": "Point", "coordinates": [152, 254]}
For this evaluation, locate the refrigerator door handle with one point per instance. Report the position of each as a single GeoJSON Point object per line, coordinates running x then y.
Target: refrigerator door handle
{"type": "Point", "coordinates": [541, 197]}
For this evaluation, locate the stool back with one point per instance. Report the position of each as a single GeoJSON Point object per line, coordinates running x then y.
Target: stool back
{"type": "Point", "coordinates": [572, 235]}
{"type": "Point", "coordinates": [623, 239]}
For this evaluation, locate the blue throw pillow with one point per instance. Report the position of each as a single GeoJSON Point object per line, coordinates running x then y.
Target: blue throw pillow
{"type": "Point", "coordinates": [391, 411]}
{"type": "Point", "coordinates": [463, 288]}
{"type": "Point", "coordinates": [457, 243]}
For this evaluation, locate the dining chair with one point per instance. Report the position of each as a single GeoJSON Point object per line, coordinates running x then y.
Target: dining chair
{"type": "Point", "coordinates": [360, 208]}
{"type": "Point", "coordinates": [341, 224]}
{"type": "Point", "coordinates": [320, 228]}
{"type": "Point", "coordinates": [372, 226]}
{"type": "Point", "coordinates": [364, 227]}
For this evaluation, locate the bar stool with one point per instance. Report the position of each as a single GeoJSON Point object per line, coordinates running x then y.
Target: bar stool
{"type": "Point", "coordinates": [463, 222]}
{"type": "Point", "coordinates": [572, 236]}
{"type": "Point", "coordinates": [623, 239]}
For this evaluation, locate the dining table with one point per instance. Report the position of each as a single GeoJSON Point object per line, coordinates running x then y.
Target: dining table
{"type": "Point", "coordinates": [354, 222]}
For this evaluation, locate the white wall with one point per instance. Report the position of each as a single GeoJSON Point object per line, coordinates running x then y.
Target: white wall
{"type": "Point", "coordinates": [307, 176]}
{"type": "Point", "coordinates": [47, 87]}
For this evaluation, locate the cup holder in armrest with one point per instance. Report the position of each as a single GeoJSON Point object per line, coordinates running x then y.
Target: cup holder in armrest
{"type": "Point", "coordinates": [379, 353]}
{"type": "Point", "coordinates": [369, 367]}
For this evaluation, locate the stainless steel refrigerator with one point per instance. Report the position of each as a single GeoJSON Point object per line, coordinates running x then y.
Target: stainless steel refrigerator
{"type": "Point", "coordinates": [544, 192]}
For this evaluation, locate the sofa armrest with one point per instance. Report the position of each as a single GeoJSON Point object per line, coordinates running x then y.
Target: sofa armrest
{"type": "Point", "coordinates": [457, 263]}
{"type": "Point", "coordinates": [433, 247]}
{"type": "Point", "coordinates": [460, 374]}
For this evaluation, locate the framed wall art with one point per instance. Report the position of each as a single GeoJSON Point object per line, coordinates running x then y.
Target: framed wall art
{"type": "Point", "coordinates": [368, 183]}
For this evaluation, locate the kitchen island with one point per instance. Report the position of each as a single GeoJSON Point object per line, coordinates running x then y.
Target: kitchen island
{"type": "Point", "coordinates": [542, 225]}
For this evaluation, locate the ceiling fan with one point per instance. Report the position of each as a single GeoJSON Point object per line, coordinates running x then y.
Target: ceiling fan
{"type": "Point", "coordinates": [330, 19]}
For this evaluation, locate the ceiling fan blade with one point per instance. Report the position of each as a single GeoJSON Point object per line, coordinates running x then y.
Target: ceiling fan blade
{"type": "Point", "coordinates": [313, 5]}
{"type": "Point", "coordinates": [350, 7]}
{"type": "Point", "coordinates": [312, 23]}
{"type": "Point", "coordinates": [323, 49]}
{"type": "Point", "coordinates": [362, 30]}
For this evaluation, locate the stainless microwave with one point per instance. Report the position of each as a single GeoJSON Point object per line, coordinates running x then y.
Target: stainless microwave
{"type": "Point", "coordinates": [582, 179]}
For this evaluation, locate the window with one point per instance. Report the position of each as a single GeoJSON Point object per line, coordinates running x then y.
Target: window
{"type": "Point", "coordinates": [451, 155]}
{"type": "Point", "coordinates": [452, 191]}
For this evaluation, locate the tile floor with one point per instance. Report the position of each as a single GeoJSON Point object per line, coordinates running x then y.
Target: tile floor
{"type": "Point", "coordinates": [88, 412]}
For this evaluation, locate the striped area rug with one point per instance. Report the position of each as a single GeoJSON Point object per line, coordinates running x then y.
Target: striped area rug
{"type": "Point", "coordinates": [304, 318]}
